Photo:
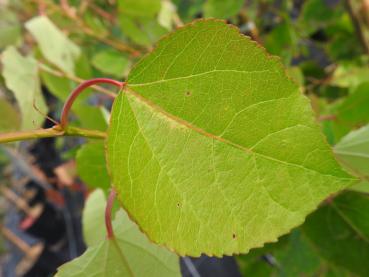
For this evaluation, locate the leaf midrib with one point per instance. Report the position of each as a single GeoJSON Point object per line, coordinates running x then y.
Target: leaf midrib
{"type": "Point", "coordinates": [200, 74]}
{"type": "Point", "coordinates": [182, 122]}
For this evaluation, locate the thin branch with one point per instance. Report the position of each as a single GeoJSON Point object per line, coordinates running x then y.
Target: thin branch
{"type": "Point", "coordinates": [55, 131]}
{"type": "Point", "coordinates": [358, 22]}
{"type": "Point", "coordinates": [61, 74]}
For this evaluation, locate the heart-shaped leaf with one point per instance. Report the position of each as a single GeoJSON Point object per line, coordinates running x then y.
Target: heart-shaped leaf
{"type": "Point", "coordinates": [212, 148]}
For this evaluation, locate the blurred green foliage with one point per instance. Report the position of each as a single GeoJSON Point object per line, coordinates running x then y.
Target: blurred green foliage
{"type": "Point", "coordinates": [323, 44]}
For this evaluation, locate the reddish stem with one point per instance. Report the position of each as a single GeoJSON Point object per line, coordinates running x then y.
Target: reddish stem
{"type": "Point", "coordinates": [78, 90]}
{"type": "Point", "coordinates": [108, 208]}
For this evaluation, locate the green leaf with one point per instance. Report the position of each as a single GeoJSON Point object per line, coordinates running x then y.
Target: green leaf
{"type": "Point", "coordinates": [54, 44]}
{"type": "Point", "coordinates": [9, 117]}
{"type": "Point", "coordinates": [93, 219]}
{"type": "Point", "coordinates": [139, 8]}
{"type": "Point", "coordinates": [294, 255]}
{"type": "Point", "coordinates": [110, 62]}
{"type": "Point", "coordinates": [90, 117]}
{"type": "Point", "coordinates": [353, 151]}
{"type": "Point", "coordinates": [129, 254]}
{"type": "Point", "coordinates": [143, 31]}
{"type": "Point", "coordinates": [10, 28]}
{"type": "Point", "coordinates": [60, 87]}
{"type": "Point", "coordinates": [354, 109]}
{"type": "Point", "coordinates": [91, 165]}
{"type": "Point", "coordinates": [222, 9]}
{"type": "Point", "coordinates": [218, 144]}
{"type": "Point", "coordinates": [340, 232]}
{"type": "Point", "coordinates": [21, 77]}
{"type": "Point", "coordinates": [362, 186]}
{"type": "Point", "coordinates": [167, 14]}
{"type": "Point", "coordinates": [350, 74]}
{"type": "Point", "coordinates": [282, 41]}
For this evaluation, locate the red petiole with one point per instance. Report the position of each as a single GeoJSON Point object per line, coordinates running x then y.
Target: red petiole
{"type": "Point", "coordinates": [108, 209]}
{"type": "Point", "coordinates": [78, 90]}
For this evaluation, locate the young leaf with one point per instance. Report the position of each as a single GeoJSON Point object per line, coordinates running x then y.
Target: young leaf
{"type": "Point", "coordinates": [129, 254]}
{"type": "Point", "coordinates": [353, 151]}
{"type": "Point", "coordinates": [220, 147]}
{"type": "Point", "coordinates": [340, 232]}
{"type": "Point", "coordinates": [91, 165]}
{"type": "Point", "coordinates": [21, 77]}
{"type": "Point", "coordinates": [54, 45]}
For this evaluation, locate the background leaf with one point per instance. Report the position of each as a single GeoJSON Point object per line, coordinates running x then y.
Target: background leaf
{"type": "Point", "coordinates": [93, 218]}
{"type": "Point", "coordinates": [21, 77]}
{"type": "Point", "coordinates": [54, 45]}
{"type": "Point", "coordinates": [10, 28]}
{"type": "Point", "coordinates": [123, 256]}
{"type": "Point", "coordinates": [139, 8]}
{"type": "Point", "coordinates": [110, 62]}
{"type": "Point", "coordinates": [340, 232]}
{"type": "Point", "coordinates": [222, 9]}
{"type": "Point", "coordinates": [353, 151]}
{"type": "Point", "coordinates": [91, 165]}
{"type": "Point", "coordinates": [9, 117]}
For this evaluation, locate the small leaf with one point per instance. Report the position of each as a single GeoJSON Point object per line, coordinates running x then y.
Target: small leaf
{"type": "Point", "coordinates": [21, 77]}
{"type": "Point", "coordinates": [129, 254]}
{"type": "Point", "coordinates": [91, 165]}
{"type": "Point", "coordinates": [110, 62]}
{"type": "Point", "coordinates": [139, 8]}
{"type": "Point", "coordinates": [143, 31]}
{"type": "Point", "coordinates": [340, 232]}
{"type": "Point", "coordinates": [218, 144]}
{"type": "Point", "coordinates": [353, 111]}
{"type": "Point", "coordinates": [9, 117]}
{"type": "Point", "coordinates": [222, 9]}
{"type": "Point", "coordinates": [54, 45]}
{"type": "Point", "coordinates": [353, 151]}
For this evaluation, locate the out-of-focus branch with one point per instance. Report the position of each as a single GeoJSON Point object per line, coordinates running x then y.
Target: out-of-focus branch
{"type": "Point", "coordinates": [359, 13]}
{"type": "Point", "coordinates": [58, 73]}
{"type": "Point", "coordinates": [66, 10]}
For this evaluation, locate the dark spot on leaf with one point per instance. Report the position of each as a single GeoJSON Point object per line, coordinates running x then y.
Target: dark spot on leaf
{"type": "Point", "coordinates": [234, 236]}
{"type": "Point", "coordinates": [178, 205]}
{"type": "Point", "coordinates": [188, 93]}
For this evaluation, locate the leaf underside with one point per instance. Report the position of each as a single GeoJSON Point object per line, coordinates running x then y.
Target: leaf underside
{"type": "Point", "coordinates": [211, 147]}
